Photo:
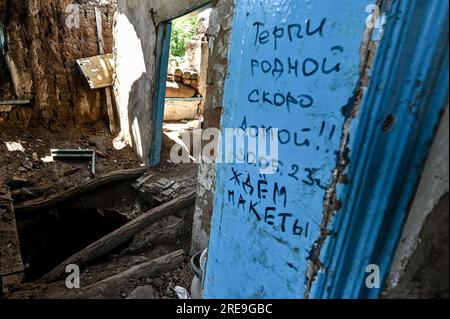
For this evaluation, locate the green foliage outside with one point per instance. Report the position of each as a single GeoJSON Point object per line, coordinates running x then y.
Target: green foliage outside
{"type": "Point", "coordinates": [183, 30]}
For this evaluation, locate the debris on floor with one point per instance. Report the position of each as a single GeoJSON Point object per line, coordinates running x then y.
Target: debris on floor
{"type": "Point", "coordinates": [61, 199]}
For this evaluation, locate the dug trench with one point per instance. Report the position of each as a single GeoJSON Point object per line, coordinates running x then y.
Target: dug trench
{"type": "Point", "coordinates": [52, 234]}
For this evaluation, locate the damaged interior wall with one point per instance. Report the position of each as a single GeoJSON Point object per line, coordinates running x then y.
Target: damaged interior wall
{"type": "Point", "coordinates": [45, 38]}
{"type": "Point", "coordinates": [135, 48]}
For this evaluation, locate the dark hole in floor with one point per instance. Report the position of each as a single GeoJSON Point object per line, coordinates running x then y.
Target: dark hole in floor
{"type": "Point", "coordinates": [49, 237]}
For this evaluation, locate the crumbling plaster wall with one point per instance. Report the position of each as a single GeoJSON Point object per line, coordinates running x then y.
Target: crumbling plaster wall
{"type": "Point", "coordinates": [135, 47]}
{"type": "Point", "coordinates": [43, 49]}
{"type": "Point", "coordinates": [135, 82]}
{"type": "Point", "coordinates": [218, 37]}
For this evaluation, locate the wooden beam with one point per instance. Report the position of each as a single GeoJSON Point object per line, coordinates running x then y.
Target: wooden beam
{"type": "Point", "coordinates": [113, 240]}
{"type": "Point", "coordinates": [98, 21]}
{"type": "Point", "coordinates": [169, 10]}
{"type": "Point", "coordinates": [78, 190]}
{"type": "Point", "coordinates": [101, 48]}
{"type": "Point", "coordinates": [152, 269]}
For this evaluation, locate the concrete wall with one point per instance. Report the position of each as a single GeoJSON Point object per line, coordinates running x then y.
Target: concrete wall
{"type": "Point", "coordinates": [420, 266]}
{"type": "Point", "coordinates": [135, 85]}
{"type": "Point", "coordinates": [197, 55]}
{"type": "Point", "coordinates": [218, 38]}
{"type": "Point", "coordinates": [134, 48]}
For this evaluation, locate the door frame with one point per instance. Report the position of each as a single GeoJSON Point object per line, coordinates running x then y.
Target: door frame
{"type": "Point", "coordinates": [164, 30]}
{"type": "Point", "coordinates": [389, 143]}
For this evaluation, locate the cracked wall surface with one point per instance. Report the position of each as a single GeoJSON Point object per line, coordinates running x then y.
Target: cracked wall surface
{"type": "Point", "coordinates": [332, 203]}
{"type": "Point", "coordinates": [271, 239]}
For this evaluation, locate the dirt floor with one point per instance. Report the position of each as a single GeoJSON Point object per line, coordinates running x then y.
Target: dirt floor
{"type": "Point", "coordinates": [25, 163]}
{"type": "Point", "coordinates": [45, 179]}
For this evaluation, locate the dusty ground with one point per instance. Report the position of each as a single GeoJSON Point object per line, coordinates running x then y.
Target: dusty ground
{"type": "Point", "coordinates": [44, 179]}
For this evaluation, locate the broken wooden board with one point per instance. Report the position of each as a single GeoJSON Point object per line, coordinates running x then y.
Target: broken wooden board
{"type": "Point", "coordinates": [80, 189]}
{"type": "Point", "coordinates": [178, 90]}
{"type": "Point", "coordinates": [121, 235]}
{"type": "Point", "coordinates": [98, 70]}
{"type": "Point", "coordinates": [11, 263]}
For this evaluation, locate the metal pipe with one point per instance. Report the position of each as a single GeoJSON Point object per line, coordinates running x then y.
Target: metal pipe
{"type": "Point", "coordinates": [74, 153]}
{"type": "Point", "coordinates": [15, 102]}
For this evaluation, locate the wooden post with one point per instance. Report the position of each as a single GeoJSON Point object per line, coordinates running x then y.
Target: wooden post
{"type": "Point", "coordinates": [101, 47]}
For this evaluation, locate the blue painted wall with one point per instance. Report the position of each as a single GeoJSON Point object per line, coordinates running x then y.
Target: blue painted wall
{"type": "Point", "coordinates": [295, 66]}
{"type": "Point", "coordinates": [389, 142]}
{"type": "Point", "coordinates": [266, 228]}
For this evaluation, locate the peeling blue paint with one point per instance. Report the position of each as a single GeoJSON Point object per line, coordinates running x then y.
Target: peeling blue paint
{"type": "Point", "coordinates": [390, 140]}
{"type": "Point", "coordinates": [162, 61]}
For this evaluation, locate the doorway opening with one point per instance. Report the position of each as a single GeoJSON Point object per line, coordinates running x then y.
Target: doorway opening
{"type": "Point", "coordinates": [185, 93]}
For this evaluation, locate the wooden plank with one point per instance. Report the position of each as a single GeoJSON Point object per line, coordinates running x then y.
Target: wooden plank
{"type": "Point", "coordinates": [14, 75]}
{"type": "Point", "coordinates": [112, 122]}
{"type": "Point", "coordinates": [98, 20]}
{"type": "Point", "coordinates": [151, 269]}
{"type": "Point", "coordinates": [79, 189]}
{"type": "Point", "coordinates": [101, 47]}
{"type": "Point", "coordinates": [113, 240]}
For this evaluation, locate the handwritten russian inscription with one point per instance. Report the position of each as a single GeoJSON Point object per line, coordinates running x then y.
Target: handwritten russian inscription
{"type": "Point", "coordinates": [264, 197]}
{"type": "Point", "coordinates": [294, 66]}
